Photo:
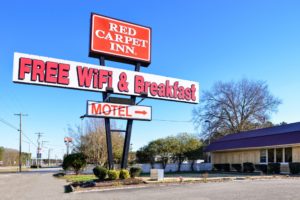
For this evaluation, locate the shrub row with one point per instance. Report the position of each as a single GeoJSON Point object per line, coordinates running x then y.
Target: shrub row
{"type": "Point", "coordinates": [102, 173]}
{"type": "Point", "coordinates": [222, 167]}
{"type": "Point", "coordinates": [271, 168]}
{"type": "Point", "coordinates": [248, 167]}
{"type": "Point", "coordinates": [294, 168]}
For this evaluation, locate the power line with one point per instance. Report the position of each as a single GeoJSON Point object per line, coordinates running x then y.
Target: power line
{"type": "Point", "coordinates": [15, 128]}
{"type": "Point", "coordinates": [8, 124]}
{"type": "Point", "coordinates": [167, 120]}
{"type": "Point", "coordinates": [29, 139]}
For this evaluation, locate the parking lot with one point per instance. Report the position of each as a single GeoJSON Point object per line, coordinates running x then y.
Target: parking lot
{"type": "Point", "coordinates": [42, 185]}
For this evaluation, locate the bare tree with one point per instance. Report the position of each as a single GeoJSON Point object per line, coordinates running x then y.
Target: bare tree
{"type": "Point", "coordinates": [233, 107]}
{"type": "Point", "coordinates": [91, 141]}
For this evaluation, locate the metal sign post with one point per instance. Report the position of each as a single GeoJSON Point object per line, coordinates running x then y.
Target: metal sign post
{"type": "Point", "coordinates": [108, 131]}
{"type": "Point", "coordinates": [107, 128]}
{"type": "Point", "coordinates": [128, 131]}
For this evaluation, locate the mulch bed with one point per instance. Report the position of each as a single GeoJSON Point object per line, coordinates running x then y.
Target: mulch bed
{"type": "Point", "coordinates": [97, 184]}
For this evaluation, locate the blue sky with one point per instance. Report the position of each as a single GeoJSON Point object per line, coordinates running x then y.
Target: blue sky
{"type": "Point", "coordinates": [203, 41]}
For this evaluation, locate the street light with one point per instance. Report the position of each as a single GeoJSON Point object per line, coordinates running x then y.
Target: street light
{"type": "Point", "coordinates": [209, 127]}
{"type": "Point", "coordinates": [82, 118]}
{"type": "Point", "coordinates": [209, 136]}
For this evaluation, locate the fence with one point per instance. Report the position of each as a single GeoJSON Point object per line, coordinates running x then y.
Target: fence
{"type": "Point", "coordinates": [173, 167]}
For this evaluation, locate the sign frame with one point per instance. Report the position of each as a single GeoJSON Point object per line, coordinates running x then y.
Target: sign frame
{"type": "Point", "coordinates": [133, 118]}
{"type": "Point", "coordinates": [116, 57]}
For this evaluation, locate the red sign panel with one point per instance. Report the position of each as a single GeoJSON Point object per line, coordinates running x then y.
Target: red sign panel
{"type": "Point", "coordinates": [119, 40]}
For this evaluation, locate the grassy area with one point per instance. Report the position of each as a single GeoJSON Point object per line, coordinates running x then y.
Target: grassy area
{"type": "Point", "coordinates": [79, 178]}
{"type": "Point", "coordinates": [12, 169]}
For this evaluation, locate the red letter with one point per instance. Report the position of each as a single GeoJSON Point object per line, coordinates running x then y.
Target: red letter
{"type": "Point", "coordinates": [96, 110]}
{"type": "Point", "coordinates": [23, 67]}
{"type": "Point", "coordinates": [108, 111]}
{"type": "Point", "coordinates": [121, 111]}
{"type": "Point", "coordinates": [114, 107]}
{"type": "Point", "coordinates": [84, 76]}
{"type": "Point", "coordinates": [102, 78]}
{"type": "Point", "coordinates": [193, 89]}
{"type": "Point", "coordinates": [63, 74]}
{"type": "Point", "coordinates": [153, 89]}
{"type": "Point", "coordinates": [187, 92]}
{"type": "Point", "coordinates": [127, 112]}
{"type": "Point", "coordinates": [51, 71]}
{"type": "Point", "coordinates": [38, 69]}
{"type": "Point", "coordinates": [138, 84]}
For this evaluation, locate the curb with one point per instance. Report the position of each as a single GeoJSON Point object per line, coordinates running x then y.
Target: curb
{"type": "Point", "coordinates": [109, 189]}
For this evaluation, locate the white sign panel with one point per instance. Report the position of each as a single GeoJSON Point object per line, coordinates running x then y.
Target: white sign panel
{"type": "Point", "coordinates": [32, 69]}
{"type": "Point", "coordinates": [120, 111]}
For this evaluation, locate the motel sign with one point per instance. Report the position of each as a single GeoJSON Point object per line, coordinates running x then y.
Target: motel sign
{"type": "Point", "coordinates": [120, 41]}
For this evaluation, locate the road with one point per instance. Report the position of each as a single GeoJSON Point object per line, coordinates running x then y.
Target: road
{"type": "Point", "coordinates": [41, 185]}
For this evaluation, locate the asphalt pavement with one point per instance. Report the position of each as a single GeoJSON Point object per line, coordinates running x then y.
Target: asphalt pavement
{"type": "Point", "coordinates": [43, 186]}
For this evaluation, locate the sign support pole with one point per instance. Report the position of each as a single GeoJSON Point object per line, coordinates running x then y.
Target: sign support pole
{"type": "Point", "coordinates": [107, 128]}
{"type": "Point", "coordinates": [128, 130]}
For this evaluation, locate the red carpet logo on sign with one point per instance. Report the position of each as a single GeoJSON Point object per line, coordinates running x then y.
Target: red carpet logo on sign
{"type": "Point", "coordinates": [112, 37]}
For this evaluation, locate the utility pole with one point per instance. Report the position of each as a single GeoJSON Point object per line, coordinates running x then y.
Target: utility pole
{"type": "Point", "coordinates": [42, 147]}
{"type": "Point", "coordinates": [20, 142]}
{"type": "Point", "coordinates": [39, 148]}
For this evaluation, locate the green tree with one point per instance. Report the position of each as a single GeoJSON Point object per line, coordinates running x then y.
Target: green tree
{"type": "Point", "coordinates": [232, 107]}
{"type": "Point", "coordinates": [75, 161]}
{"type": "Point", "coordinates": [161, 150]}
{"type": "Point", "coordinates": [195, 153]}
{"type": "Point", "coordinates": [1, 153]}
{"type": "Point", "coordinates": [188, 148]}
{"type": "Point", "coordinates": [146, 154]}
{"type": "Point", "coordinates": [165, 149]}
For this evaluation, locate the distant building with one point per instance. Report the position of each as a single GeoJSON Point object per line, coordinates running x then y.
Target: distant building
{"type": "Point", "coordinates": [262, 146]}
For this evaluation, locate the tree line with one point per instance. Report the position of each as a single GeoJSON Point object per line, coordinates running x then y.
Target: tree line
{"type": "Point", "coordinates": [176, 149]}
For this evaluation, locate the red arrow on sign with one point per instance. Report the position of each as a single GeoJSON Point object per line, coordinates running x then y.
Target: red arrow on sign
{"type": "Point", "coordinates": [141, 112]}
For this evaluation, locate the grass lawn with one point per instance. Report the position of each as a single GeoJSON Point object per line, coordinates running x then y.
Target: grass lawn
{"type": "Point", "coordinates": [12, 169]}
{"type": "Point", "coordinates": [79, 177]}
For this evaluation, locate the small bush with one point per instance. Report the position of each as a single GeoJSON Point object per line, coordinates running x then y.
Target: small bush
{"type": "Point", "coordinates": [75, 161]}
{"type": "Point", "coordinates": [294, 168]}
{"type": "Point", "coordinates": [218, 167]}
{"type": "Point", "coordinates": [274, 168]}
{"type": "Point", "coordinates": [35, 166]}
{"type": "Point", "coordinates": [248, 167]}
{"type": "Point", "coordinates": [262, 167]}
{"type": "Point", "coordinates": [135, 171]}
{"type": "Point", "coordinates": [124, 174]}
{"type": "Point", "coordinates": [100, 172]}
{"type": "Point", "coordinates": [237, 167]}
{"type": "Point", "coordinates": [222, 167]}
{"type": "Point", "coordinates": [226, 167]}
{"type": "Point", "coordinates": [113, 174]}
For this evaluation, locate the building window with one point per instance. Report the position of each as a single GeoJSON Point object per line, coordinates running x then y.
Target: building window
{"type": "Point", "coordinates": [279, 154]}
{"type": "Point", "coordinates": [270, 155]}
{"type": "Point", "coordinates": [263, 156]}
{"type": "Point", "coordinates": [288, 154]}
